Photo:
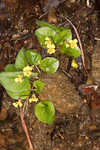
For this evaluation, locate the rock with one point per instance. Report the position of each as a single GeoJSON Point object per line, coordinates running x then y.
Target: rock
{"type": "Point", "coordinates": [96, 63]}
{"type": "Point", "coordinates": [72, 1]}
{"type": "Point", "coordinates": [61, 92]}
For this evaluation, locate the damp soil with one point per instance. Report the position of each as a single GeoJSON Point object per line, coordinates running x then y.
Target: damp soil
{"type": "Point", "coordinates": [75, 94]}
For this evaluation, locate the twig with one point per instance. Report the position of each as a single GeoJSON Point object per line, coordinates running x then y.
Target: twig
{"type": "Point", "coordinates": [37, 69]}
{"type": "Point", "coordinates": [43, 15]}
{"type": "Point", "coordinates": [25, 129]}
{"type": "Point", "coordinates": [80, 44]}
{"type": "Point", "coordinates": [88, 3]}
{"type": "Point", "coordinates": [67, 74]}
{"type": "Point", "coordinates": [97, 39]}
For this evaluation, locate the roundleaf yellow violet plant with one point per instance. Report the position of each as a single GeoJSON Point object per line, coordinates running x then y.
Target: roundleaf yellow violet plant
{"type": "Point", "coordinates": [21, 79]}
{"type": "Point", "coordinates": [22, 83]}
{"type": "Point", "coordinates": [27, 71]}
{"type": "Point", "coordinates": [58, 37]}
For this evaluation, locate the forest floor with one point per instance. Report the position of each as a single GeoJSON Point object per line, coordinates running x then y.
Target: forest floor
{"type": "Point", "coordinates": [76, 95]}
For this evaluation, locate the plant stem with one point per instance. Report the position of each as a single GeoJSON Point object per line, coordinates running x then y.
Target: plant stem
{"type": "Point", "coordinates": [80, 44]}
{"type": "Point", "coordinates": [25, 130]}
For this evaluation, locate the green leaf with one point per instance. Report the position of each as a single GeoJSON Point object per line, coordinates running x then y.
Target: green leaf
{"type": "Point", "coordinates": [73, 52]}
{"type": "Point", "coordinates": [45, 112]}
{"type": "Point", "coordinates": [49, 65]}
{"type": "Point", "coordinates": [19, 95]}
{"type": "Point", "coordinates": [10, 68]}
{"type": "Point", "coordinates": [15, 90]}
{"type": "Point", "coordinates": [43, 32]}
{"type": "Point", "coordinates": [44, 24]}
{"type": "Point", "coordinates": [39, 85]}
{"type": "Point", "coordinates": [33, 57]}
{"type": "Point", "coordinates": [63, 35]}
{"type": "Point", "coordinates": [46, 31]}
{"type": "Point", "coordinates": [21, 61]}
{"type": "Point", "coordinates": [59, 28]}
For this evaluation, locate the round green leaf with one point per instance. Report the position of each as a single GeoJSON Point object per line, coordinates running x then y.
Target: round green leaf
{"type": "Point", "coordinates": [33, 57]}
{"type": "Point", "coordinates": [45, 111]}
{"type": "Point", "coordinates": [49, 65]}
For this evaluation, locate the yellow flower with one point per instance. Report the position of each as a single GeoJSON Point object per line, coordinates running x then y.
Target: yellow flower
{"type": "Point", "coordinates": [33, 99]}
{"type": "Point", "coordinates": [19, 78]}
{"type": "Point", "coordinates": [74, 64]}
{"type": "Point", "coordinates": [67, 45]}
{"type": "Point", "coordinates": [18, 104]}
{"type": "Point", "coordinates": [51, 50]}
{"type": "Point", "coordinates": [51, 46]}
{"type": "Point", "coordinates": [73, 43]}
{"type": "Point", "coordinates": [27, 71]}
{"type": "Point", "coordinates": [47, 39]}
{"type": "Point", "coordinates": [47, 43]}
{"type": "Point", "coordinates": [28, 68]}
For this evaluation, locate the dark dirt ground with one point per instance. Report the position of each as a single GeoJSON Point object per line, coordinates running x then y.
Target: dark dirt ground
{"type": "Point", "coordinates": [77, 118]}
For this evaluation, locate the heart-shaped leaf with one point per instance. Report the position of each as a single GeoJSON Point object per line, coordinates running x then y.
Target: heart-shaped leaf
{"type": "Point", "coordinates": [33, 57]}
{"type": "Point", "coordinates": [49, 65]}
{"type": "Point", "coordinates": [45, 112]}
{"type": "Point", "coordinates": [21, 61]}
{"type": "Point", "coordinates": [15, 89]}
